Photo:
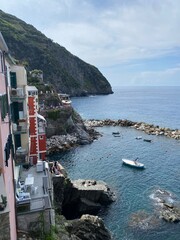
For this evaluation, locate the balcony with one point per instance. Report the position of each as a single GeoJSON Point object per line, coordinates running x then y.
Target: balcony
{"type": "Point", "coordinates": [20, 128]}
{"type": "Point", "coordinates": [38, 188]}
{"type": "Point", "coordinates": [21, 156]}
{"type": "Point", "coordinates": [17, 94]}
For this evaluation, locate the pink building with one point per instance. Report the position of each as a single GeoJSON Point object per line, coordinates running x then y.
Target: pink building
{"type": "Point", "coordinates": [7, 197]}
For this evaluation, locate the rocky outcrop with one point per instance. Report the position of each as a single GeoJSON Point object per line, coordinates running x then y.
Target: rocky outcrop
{"type": "Point", "coordinates": [88, 227]}
{"type": "Point", "coordinates": [60, 143]}
{"type": "Point", "coordinates": [167, 207]}
{"type": "Point", "coordinates": [150, 129]}
{"type": "Point", "coordinates": [95, 191]}
{"type": "Point", "coordinates": [74, 198]}
{"type": "Point", "coordinates": [66, 129]}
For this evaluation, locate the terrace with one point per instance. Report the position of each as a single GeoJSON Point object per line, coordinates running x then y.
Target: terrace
{"type": "Point", "coordinates": [35, 184]}
{"type": "Point", "coordinates": [34, 196]}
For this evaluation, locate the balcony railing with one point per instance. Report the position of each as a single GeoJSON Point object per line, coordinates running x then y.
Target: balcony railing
{"type": "Point", "coordinates": [22, 127]}
{"type": "Point", "coordinates": [21, 156]}
{"type": "Point", "coordinates": [17, 94]}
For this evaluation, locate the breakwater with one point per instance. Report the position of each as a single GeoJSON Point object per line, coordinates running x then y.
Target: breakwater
{"type": "Point", "coordinates": [149, 129]}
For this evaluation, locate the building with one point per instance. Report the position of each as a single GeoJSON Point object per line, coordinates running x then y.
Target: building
{"type": "Point", "coordinates": [7, 201]}
{"type": "Point", "coordinates": [19, 113]}
{"type": "Point", "coordinates": [37, 127]}
{"type": "Point", "coordinates": [25, 183]}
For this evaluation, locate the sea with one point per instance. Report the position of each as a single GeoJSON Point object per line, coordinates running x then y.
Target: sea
{"type": "Point", "coordinates": [135, 213]}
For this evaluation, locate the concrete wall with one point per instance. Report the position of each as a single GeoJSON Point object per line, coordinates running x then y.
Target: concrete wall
{"type": "Point", "coordinates": [20, 75]}
{"type": "Point", "coordinates": [29, 222]}
{"type": "Point", "coordinates": [4, 227]}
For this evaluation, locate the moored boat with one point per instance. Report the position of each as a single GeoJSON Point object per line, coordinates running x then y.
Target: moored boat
{"type": "Point", "coordinates": [147, 140]}
{"type": "Point", "coordinates": [139, 137]}
{"type": "Point", "coordinates": [133, 163]}
{"type": "Point", "coordinates": [115, 133]}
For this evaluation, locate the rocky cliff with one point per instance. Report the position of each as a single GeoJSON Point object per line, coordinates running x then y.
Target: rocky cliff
{"type": "Point", "coordinates": [66, 129]}
{"type": "Point", "coordinates": [66, 72]}
{"type": "Point", "coordinates": [75, 198]}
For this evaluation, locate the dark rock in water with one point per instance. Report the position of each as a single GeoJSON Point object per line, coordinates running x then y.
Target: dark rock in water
{"type": "Point", "coordinates": [166, 206]}
{"type": "Point", "coordinates": [88, 227]}
{"type": "Point", "coordinates": [144, 220]}
{"type": "Point", "coordinates": [96, 191]}
{"type": "Point", "coordinates": [74, 198]}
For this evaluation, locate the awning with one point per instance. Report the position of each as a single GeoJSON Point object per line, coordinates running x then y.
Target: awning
{"type": "Point", "coordinates": [41, 117]}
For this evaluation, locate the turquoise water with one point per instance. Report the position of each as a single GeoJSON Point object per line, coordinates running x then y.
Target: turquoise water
{"type": "Point", "coordinates": [134, 188]}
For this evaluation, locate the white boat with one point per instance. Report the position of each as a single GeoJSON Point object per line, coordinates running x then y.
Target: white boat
{"type": "Point", "coordinates": [64, 99]}
{"type": "Point", "coordinates": [139, 137]}
{"type": "Point", "coordinates": [133, 163]}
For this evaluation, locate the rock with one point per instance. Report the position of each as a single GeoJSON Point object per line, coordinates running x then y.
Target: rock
{"type": "Point", "coordinates": [166, 206]}
{"type": "Point", "coordinates": [96, 191]}
{"type": "Point", "coordinates": [88, 227]}
{"type": "Point", "coordinates": [86, 205]}
{"type": "Point", "coordinates": [72, 198]}
{"type": "Point", "coordinates": [147, 128]}
{"type": "Point", "coordinates": [144, 220]}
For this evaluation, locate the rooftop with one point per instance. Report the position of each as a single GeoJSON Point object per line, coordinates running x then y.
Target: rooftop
{"type": "Point", "coordinates": [38, 188]}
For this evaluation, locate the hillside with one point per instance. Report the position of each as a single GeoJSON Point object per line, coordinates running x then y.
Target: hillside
{"type": "Point", "coordinates": [66, 72]}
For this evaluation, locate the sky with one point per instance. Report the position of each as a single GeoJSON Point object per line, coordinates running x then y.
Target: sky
{"type": "Point", "coordinates": [132, 42]}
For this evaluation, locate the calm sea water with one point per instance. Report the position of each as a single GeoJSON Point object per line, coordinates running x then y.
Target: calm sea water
{"type": "Point", "coordinates": [102, 159]}
{"type": "Point", "coordinates": [157, 105]}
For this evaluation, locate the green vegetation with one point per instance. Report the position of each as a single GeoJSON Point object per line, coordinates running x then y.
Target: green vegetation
{"type": "Point", "coordinates": [53, 114]}
{"type": "Point", "coordinates": [66, 72]}
{"type": "Point", "coordinates": [56, 232]}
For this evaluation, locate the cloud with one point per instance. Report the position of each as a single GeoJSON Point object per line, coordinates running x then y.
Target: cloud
{"type": "Point", "coordinates": [169, 77]}
{"type": "Point", "coordinates": [142, 29]}
{"type": "Point", "coordinates": [108, 32]}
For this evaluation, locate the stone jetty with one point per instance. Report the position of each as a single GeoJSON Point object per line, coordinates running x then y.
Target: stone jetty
{"type": "Point", "coordinates": [150, 129]}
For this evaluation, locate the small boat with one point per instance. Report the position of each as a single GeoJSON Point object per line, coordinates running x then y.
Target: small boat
{"type": "Point", "coordinates": [133, 163]}
{"type": "Point", "coordinates": [115, 133]}
{"type": "Point", "coordinates": [147, 140]}
{"type": "Point", "coordinates": [139, 137]}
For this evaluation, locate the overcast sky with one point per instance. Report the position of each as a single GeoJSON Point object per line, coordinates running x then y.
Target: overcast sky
{"type": "Point", "coordinates": [132, 42]}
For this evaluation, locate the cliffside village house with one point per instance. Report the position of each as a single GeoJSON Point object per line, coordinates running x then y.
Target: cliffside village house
{"type": "Point", "coordinates": [25, 183]}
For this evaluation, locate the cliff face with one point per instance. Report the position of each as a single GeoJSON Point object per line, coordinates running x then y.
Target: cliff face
{"type": "Point", "coordinates": [66, 72]}
{"type": "Point", "coordinates": [68, 198]}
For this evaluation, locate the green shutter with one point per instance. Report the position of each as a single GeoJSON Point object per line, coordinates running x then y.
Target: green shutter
{"type": "Point", "coordinates": [13, 80]}
{"type": "Point", "coordinates": [4, 106]}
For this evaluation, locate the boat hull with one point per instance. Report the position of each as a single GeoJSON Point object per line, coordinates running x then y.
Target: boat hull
{"type": "Point", "coordinates": [133, 164]}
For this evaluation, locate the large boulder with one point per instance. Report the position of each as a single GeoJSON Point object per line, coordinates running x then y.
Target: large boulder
{"type": "Point", "coordinates": [88, 227]}
{"type": "Point", "coordinates": [74, 198]}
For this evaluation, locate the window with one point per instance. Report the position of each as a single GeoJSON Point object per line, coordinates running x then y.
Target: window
{"type": "Point", "coordinates": [3, 106]}
{"type": "Point", "coordinates": [1, 63]}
